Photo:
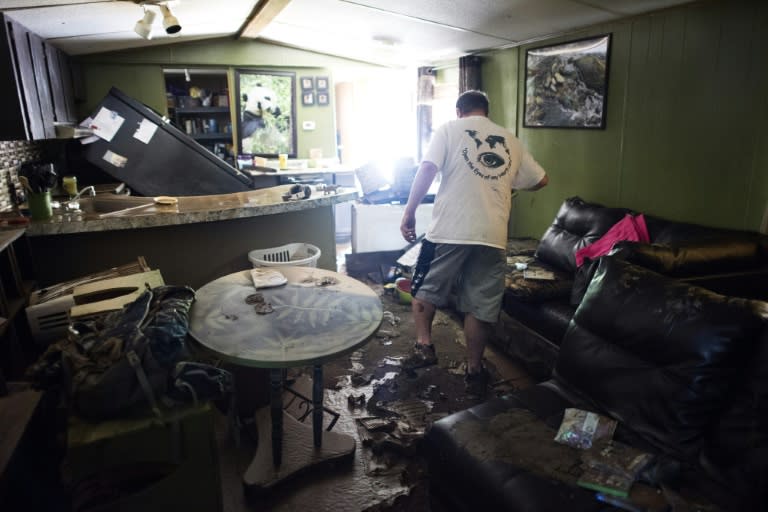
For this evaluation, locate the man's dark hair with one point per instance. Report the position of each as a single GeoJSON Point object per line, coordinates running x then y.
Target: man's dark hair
{"type": "Point", "coordinates": [472, 100]}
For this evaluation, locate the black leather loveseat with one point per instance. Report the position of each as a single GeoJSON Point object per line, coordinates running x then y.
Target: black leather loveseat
{"type": "Point", "coordinates": [537, 313]}
{"type": "Point", "coordinates": [682, 369]}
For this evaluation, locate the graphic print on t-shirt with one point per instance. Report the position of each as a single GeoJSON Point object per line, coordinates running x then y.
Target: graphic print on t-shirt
{"type": "Point", "coordinates": [490, 158]}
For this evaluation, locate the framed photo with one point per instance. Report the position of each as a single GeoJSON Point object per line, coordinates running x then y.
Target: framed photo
{"type": "Point", "coordinates": [322, 83]}
{"type": "Point", "coordinates": [266, 120]}
{"type": "Point", "coordinates": [307, 98]}
{"type": "Point", "coordinates": [307, 83]}
{"type": "Point", "coordinates": [566, 85]}
{"type": "Point", "coordinates": [322, 98]}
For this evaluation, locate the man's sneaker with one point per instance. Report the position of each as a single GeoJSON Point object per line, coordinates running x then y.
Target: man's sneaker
{"type": "Point", "coordinates": [476, 384]}
{"type": "Point", "coordinates": [420, 356]}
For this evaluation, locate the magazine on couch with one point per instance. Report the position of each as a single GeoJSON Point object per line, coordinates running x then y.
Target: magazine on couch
{"type": "Point", "coordinates": [539, 273]}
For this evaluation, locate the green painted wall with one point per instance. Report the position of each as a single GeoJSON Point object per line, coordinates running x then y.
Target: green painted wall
{"type": "Point", "coordinates": [686, 136]}
{"type": "Point", "coordinates": [138, 73]}
{"type": "Point", "coordinates": [143, 82]}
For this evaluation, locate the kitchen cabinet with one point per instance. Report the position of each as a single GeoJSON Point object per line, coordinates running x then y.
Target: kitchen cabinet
{"type": "Point", "coordinates": [36, 83]}
{"type": "Point", "coordinates": [200, 107]}
{"type": "Point", "coordinates": [62, 84]}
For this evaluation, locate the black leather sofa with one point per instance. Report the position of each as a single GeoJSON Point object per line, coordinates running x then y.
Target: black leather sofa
{"type": "Point", "coordinates": [683, 370]}
{"type": "Point", "coordinates": [536, 313]}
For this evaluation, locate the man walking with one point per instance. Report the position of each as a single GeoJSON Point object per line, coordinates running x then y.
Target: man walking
{"type": "Point", "coordinates": [465, 245]}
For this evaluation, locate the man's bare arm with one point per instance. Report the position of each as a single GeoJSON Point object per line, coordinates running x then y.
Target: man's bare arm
{"type": "Point", "coordinates": [421, 183]}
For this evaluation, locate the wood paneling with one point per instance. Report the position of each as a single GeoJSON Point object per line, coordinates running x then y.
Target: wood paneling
{"type": "Point", "coordinates": [26, 80]}
{"type": "Point", "coordinates": [36, 84]}
{"type": "Point", "coordinates": [44, 98]}
{"type": "Point", "coordinates": [686, 136]}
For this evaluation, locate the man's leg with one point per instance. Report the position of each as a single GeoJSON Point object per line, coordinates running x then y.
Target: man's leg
{"type": "Point", "coordinates": [423, 314]}
{"type": "Point", "coordinates": [476, 335]}
{"type": "Point", "coordinates": [423, 352]}
{"type": "Point", "coordinates": [435, 273]}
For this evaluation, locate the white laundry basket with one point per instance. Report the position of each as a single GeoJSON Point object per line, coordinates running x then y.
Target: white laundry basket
{"type": "Point", "coordinates": [295, 254]}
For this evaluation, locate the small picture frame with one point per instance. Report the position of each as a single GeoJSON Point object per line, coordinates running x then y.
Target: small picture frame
{"type": "Point", "coordinates": [307, 98]}
{"type": "Point", "coordinates": [322, 83]}
{"type": "Point", "coordinates": [307, 83]}
{"type": "Point", "coordinates": [322, 98]}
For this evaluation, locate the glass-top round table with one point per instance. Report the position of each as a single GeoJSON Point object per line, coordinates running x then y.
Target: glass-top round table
{"type": "Point", "coordinates": [317, 315]}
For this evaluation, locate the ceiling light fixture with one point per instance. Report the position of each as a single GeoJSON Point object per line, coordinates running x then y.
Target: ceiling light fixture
{"type": "Point", "coordinates": [143, 27]}
{"type": "Point", "coordinates": [170, 23]}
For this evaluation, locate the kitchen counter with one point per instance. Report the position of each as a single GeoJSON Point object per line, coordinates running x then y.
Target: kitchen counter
{"type": "Point", "coordinates": [189, 210]}
{"type": "Point", "coordinates": [193, 242]}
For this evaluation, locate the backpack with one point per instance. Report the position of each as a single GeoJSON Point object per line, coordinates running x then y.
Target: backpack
{"type": "Point", "coordinates": [123, 363]}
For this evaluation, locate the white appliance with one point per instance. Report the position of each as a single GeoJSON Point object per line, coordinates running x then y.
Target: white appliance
{"type": "Point", "coordinates": [376, 227]}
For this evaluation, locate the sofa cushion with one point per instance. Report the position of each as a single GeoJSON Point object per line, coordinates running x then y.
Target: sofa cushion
{"type": "Point", "coordinates": [630, 228]}
{"type": "Point", "coordinates": [674, 233]}
{"type": "Point", "coordinates": [655, 353]}
{"type": "Point", "coordinates": [576, 225]}
{"type": "Point", "coordinates": [549, 318]}
{"type": "Point", "coordinates": [536, 290]}
{"type": "Point", "coordinates": [475, 465]}
{"type": "Point", "coordinates": [734, 265]}
{"type": "Point", "coordinates": [500, 455]}
{"type": "Point", "coordinates": [692, 258]}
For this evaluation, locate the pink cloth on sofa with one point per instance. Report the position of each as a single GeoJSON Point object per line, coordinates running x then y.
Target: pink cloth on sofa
{"type": "Point", "coordinates": [630, 228]}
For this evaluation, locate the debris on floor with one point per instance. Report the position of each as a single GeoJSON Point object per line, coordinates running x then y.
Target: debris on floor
{"type": "Point", "coordinates": [388, 410]}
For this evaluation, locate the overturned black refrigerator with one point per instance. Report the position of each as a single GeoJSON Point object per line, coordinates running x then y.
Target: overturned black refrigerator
{"type": "Point", "coordinates": [153, 157]}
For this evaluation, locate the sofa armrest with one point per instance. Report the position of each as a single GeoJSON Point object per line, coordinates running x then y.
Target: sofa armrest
{"type": "Point", "coordinates": [500, 456]}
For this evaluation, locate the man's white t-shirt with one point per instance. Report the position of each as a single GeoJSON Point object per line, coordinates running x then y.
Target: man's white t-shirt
{"type": "Point", "coordinates": [480, 162]}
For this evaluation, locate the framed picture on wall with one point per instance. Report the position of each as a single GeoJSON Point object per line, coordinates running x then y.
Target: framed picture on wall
{"type": "Point", "coordinates": [266, 112]}
{"type": "Point", "coordinates": [322, 83]}
{"type": "Point", "coordinates": [566, 85]}
{"type": "Point", "coordinates": [307, 83]}
{"type": "Point", "coordinates": [307, 98]}
{"type": "Point", "coordinates": [322, 98]}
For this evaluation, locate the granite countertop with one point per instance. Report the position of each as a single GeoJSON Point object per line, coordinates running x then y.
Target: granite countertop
{"type": "Point", "coordinates": [188, 210]}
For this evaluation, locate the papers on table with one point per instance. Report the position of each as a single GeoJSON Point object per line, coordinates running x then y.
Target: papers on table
{"type": "Point", "coordinates": [267, 278]}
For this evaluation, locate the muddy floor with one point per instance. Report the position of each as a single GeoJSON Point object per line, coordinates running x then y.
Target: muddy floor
{"type": "Point", "coordinates": [384, 407]}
